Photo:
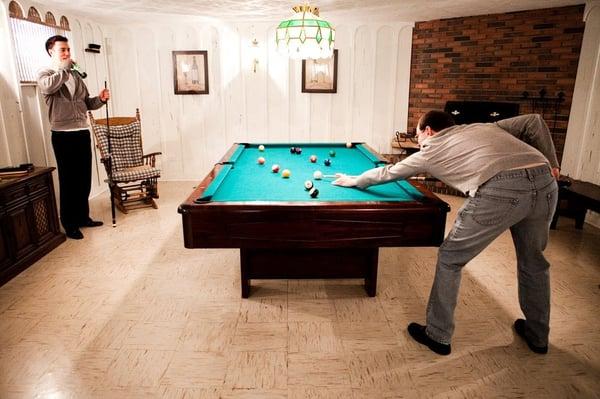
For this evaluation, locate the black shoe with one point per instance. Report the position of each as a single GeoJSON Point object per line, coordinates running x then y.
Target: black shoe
{"type": "Point", "coordinates": [417, 331]}
{"type": "Point", "coordinates": [74, 234]}
{"type": "Point", "coordinates": [92, 223]}
{"type": "Point", "coordinates": [520, 329]}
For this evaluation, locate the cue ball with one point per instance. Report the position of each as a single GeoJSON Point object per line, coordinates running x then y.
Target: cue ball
{"type": "Point", "coordinates": [348, 145]}
{"type": "Point", "coordinates": [318, 175]}
{"type": "Point", "coordinates": [286, 173]}
{"type": "Point", "coordinates": [327, 162]}
{"type": "Point", "coordinates": [261, 147]}
{"type": "Point", "coordinates": [308, 185]}
{"type": "Point", "coordinates": [332, 153]}
{"type": "Point", "coordinates": [314, 192]}
{"type": "Point", "coordinates": [261, 161]}
{"type": "Point", "coordinates": [313, 158]}
{"type": "Point", "coordinates": [275, 168]}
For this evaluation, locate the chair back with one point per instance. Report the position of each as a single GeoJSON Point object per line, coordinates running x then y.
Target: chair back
{"type": "Point", "coordinates": [125, 140]}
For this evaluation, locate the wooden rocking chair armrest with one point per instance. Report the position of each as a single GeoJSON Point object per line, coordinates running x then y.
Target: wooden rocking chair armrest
{"type": "Point", "coordinates": [150, 159]}
{"type": "Point", "coordinates": [152, 154]}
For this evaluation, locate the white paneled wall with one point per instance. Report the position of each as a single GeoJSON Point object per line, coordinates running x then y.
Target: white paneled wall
{"type": "Point", "coordinates": [194, 131]}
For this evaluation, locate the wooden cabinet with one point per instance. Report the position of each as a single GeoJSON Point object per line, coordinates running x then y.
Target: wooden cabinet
{"type": "Point", "coordinates": [29, 226]}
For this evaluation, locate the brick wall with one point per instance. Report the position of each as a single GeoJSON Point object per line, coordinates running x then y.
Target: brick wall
{"type": "Point", "coordinates": [496, 58]}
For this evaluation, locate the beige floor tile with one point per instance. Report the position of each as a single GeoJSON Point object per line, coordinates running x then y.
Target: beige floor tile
{"type": "Point", "coordinates": [320, 393]}
{"type": "Point", "coordinates": [311, 310]}
{"type": "Point", "coordinates": [215, 310]}
{"type": "Point", "coordinates": [14, 329]}
{"type": "Point", "coordinates": [380, 370]}
{"type": "Point", "coordinates": [359, 309]}
{"type": "Point", "coordinates": [264, 310]}
{"type": "Point", "coordinates": [268, 337]}
{"type": "Point", "coordinates": [366, 337]}
{"type": "Point", "coordinates": [206, 336]}
{"type": "Point", "coordinates": [307, 337]}
{"type": "Point", "coordinates": [138, 368]}
{"type": "Point", "coordinates": [70, 335]}
{"type": "Point", "coordinates": [171, 392]}
{"type": "Point", "coordinates": [156, 336]}
{"type": "Point", "coordinates": [195, 369]}
{"type": "Point", "coordinates": [324, 370]}
{"type": "Point", "coordinates": [237, 393]}
{"type": "Point", "coordinates": [25, 364]}
{"type": "Point", "coordinates": [112, 335]}
{"type": "Point", "coordinates": [257, 370]}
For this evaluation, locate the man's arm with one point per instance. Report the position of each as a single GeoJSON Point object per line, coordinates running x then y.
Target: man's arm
{"type": "Point", "coordinates": [532, 130]}
{"type": "Point", "coordinates": [50, 81]}
{"type": "Point", "coordinates": [92, 103]}
{"type": "Point", "coordinates": [401, 170]}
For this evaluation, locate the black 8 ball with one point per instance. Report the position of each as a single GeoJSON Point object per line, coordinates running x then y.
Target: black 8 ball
{"type": "Point", "coordinates": [327, 162]}
{"type": "Point", "coordinates": [314, 192]}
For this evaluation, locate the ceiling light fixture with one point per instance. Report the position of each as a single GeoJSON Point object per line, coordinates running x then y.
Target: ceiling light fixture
{"type": "Point", "coordinates": [305, 34]}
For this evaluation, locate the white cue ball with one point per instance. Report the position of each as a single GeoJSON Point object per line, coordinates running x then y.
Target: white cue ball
{"type": "Point", "coordinates": [318, 175]}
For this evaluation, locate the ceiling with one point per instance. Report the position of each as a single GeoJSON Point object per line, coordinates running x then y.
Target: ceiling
{"type": "Point", "coordinates": [336, 11]}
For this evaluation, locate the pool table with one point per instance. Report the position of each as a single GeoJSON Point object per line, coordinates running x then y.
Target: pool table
{"type": "Point", "coordinates": [284, 233]}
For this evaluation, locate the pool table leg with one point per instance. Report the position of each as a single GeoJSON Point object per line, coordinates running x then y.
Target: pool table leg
{"type": "Point", "coordinates": [371, 277]}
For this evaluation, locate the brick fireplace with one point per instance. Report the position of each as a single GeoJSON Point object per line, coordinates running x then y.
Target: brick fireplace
{"type": "Point", "coordinates": [497, 58]}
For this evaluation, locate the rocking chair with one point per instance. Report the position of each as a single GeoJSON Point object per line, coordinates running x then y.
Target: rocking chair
{"type": "Point", "coordinates": [132, 176]}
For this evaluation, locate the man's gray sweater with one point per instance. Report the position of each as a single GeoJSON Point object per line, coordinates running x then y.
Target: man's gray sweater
{"type": "Point", "coordinates": [466, 156]}
{"type": "Point", "coordinates": [66, 111]}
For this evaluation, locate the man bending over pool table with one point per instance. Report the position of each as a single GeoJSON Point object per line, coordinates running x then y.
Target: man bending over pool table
{"type": "Point", "coordinates": [509, 170]}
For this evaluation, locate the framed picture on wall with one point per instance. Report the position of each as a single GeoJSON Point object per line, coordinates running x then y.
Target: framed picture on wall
{"type": "Point", "coordinates": [190, 72]}
{"type": "Point", "coordinates": [320, 75]}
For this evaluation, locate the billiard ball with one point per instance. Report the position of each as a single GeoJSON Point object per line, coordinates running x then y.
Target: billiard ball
{"type": "Point", "coordinates": [308, 185]}
{"type": "Point", "coordinates": [332, 153]}
{"type": "Point", "coordinates": [313, 158]}
{"type": "Point", "coordinates": [286, 173]}
{"type": "Point", "coordinates": [318, 175]}
{"type": "Point", "coordinates": [314, 192]}
{"type": "Point", "coordinates": [275, 168]}
{"type": "Point", "coordinates": [261, 161]}
{"type": "Point", "coordinates": [298, 150]}
{"type": "Point", "coordinates": [261, 147]}
{"type": "Point", "coordinates": [327, 162]}
{"type": "Point", "coordinates": [292, 150]}
{"type": "Point", "coordinates": [348, 145]}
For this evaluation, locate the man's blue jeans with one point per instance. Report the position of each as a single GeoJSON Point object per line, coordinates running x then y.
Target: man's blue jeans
{"type": "Point", "coordinates": [522, 200]}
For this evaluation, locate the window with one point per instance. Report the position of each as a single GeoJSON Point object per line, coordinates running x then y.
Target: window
{"type": "Point", "coordinates": [30, 35]}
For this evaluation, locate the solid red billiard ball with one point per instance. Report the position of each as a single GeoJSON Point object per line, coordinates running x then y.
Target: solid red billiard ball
{"type": "Point", "coordinates": [275, 168]}
{"type": "Point", "coordinates": [261, 161]}
{"type": "Point", "coordinates": [313, 158]}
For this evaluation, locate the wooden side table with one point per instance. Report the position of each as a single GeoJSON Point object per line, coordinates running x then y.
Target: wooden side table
{"type": "Point", "coordinates": [29, 226]}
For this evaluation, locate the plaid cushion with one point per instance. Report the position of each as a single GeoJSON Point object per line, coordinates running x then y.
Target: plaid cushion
{"type": "Point", "coordinates": [135, 173]}
{"type": "Point", "coordinates": [125, 143]}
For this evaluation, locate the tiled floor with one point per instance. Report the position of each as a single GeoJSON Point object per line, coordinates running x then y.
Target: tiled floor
{"type": "Point", "coordinates": [129, 313]}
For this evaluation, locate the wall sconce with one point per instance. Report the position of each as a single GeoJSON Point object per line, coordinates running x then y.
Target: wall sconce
{"type": "Point", "coordinates": [254, 50]}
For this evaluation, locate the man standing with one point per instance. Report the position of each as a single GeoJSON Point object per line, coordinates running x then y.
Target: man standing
{"type": "Point", "coordinates": [68, 101]}
{"type": "Point", "coordinates": [509, 170]}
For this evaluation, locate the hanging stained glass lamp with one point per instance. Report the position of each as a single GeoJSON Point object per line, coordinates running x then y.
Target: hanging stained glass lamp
{"type": "Point", "coordinates": [305, 34]}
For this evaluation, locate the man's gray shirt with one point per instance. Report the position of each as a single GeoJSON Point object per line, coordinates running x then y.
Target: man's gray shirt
{"type": "Point", "coordinates": [466, 156]}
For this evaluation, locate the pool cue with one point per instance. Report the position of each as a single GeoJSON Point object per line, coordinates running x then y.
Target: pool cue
{"type": "Point", "coordinates": [110, 166]}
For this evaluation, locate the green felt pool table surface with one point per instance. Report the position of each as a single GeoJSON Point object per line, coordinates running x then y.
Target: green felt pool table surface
{"type": "Point", "coordinates": [243, 179]}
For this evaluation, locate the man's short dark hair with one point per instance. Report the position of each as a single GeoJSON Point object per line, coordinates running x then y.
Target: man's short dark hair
{"type": "Point", "coordinates": [436, 120]}
{"type": "Point", "coordinates": [50, 42]}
